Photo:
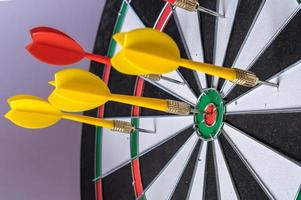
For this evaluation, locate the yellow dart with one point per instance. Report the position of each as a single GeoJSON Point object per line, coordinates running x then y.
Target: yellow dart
{"type": "Point", "coordinates": [148, 51]}
{"type": "Point", "coordinates": [33, 112]}
{"type": "Point", "coordinates": [78, 90]}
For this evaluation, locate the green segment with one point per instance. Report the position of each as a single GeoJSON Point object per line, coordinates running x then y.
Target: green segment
{"type": "Point", "coordinates": [134, 139]}
{"type": "Point", "coordinates": [98, 152]}
{"type": "Point", "coordinates": [209, 96]}
{"type": "Point", "coordinates": [118, 25]}
{"type": "Point", "coordinates": [112, 47]}
{"type": "Point", "coordinates": [299, 1]}
{"type": "Point", "coordinates": [299, 196]}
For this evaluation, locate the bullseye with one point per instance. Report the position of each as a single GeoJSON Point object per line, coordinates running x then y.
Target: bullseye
{"type": "Point", "coordinates": [210, 115]}
{"type": "Point", "coordinates": [209, 121]}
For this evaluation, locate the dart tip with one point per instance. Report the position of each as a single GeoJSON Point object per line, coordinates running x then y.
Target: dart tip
{"type": "Point", "coordinates": [210, 12]}
{"type": "Point", "coordinates": [52, 83]}
{"type": "Point", "coordinates": [269, 84]}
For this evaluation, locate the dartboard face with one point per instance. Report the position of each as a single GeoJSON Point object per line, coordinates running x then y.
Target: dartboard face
{"type": "Point", "coordinates": [245, 143]}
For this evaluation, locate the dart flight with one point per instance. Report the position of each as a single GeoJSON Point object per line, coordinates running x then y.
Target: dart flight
{"type": "Point", "coordinates": [54, 47]}
{"type": "Point", "coordinates": [33, 112]}
{"type": "Point", "coordinates": [77, 90]}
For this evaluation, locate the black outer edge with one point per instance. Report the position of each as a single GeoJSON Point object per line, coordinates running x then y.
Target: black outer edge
{"type": "Point", "coordinates": [88, 139]}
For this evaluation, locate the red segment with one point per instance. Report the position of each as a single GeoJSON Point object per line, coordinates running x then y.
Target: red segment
{"type": "Point", "coordinates": [138, 92]}
{"type": "Point", "coordinates": [159, 25]}
{"type": "Point", "coordinates": [210, 115]}
{"type": "Point", "coordinates": [105, 78]}
{"type": "Point", "coordinates": [137, 177]}
{"type": "Point", "coordinates": [98, 190]}
{"type": "Point", "coordinates": [164, 17]}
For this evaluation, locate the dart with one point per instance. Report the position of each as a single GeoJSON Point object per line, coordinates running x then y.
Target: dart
{"type": "Point", "coordinates": [34, 113]}
{"type": "Point", "coordinates": [148, 51]}
{"type": "Point", "coordinates": [77, 90]}
{"type": "Point", "coordinates": [54, 47]}
{"type": "Point", "coordinates": [193, 5]}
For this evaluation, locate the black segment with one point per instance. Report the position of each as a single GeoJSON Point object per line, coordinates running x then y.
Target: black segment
{"type": "Point", "coordinates": [87, 159]}
{"type": "Point", "coordinates": [208, 32]}
{"type": "Point", "coordinates": [282, 53]}
{"type": "Point", "coordinates": [120, 84]}
{"type": "Point", "coordinates": [245, 15]}
{"type": "Point", "coordinates": [208, 29]}
{"type": "Point", "coordinates": [181, 191]}
{"type": "Point", "coordinates": [118, 185]}
{"type": "Point", "coordinates": [279, 131]}
{"type": "Point", "coordinates": [245, 183]}
{"type": "Point", "coordinates": [154, 161]}
{"type": "Point", "coordinates": [210, 181]}
{"type": "Point", "coordinates": [148, 11]}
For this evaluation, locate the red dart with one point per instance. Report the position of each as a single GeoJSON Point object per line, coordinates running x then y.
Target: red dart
{"type": "Point", "coordinates": [54, 47]}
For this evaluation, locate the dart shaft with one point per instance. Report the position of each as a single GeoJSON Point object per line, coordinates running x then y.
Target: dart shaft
{"type": "Point", "coordinates": [225, 73]}
{"type": "Point", "coordinates": [98, 58]}
{"type": "Point", "coordinates": [152, 103]}
{"type": "Point", "coordinates": [109, 124]}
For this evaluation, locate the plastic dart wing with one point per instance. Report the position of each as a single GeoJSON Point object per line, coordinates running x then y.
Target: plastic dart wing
{"type": "Point", "coordinates": [77, 90]}
{"type": "Point", "coordinates": [145, 51]}
{"type": "Point", "coordinates": [32, 112]}
{"type": "Point", "coordinates": [54, 47]}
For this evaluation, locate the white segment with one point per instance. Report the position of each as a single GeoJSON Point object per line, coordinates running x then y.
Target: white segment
{"type": "Point", "coordinates": [226, 188]}
{"type": "Point", "coordinates": [165, 183]}
{"type": "Point", "coordinates": [189, 28]}
{"type": "Point", "coordinates": [115, 150]}
{"type": "Point", "coordinates": [278, 175]}
{"type": "Point", "coordinates": [263, 99]}
{"type": "Point", "coordinates": [167, 127]}
{"type": "Point", "coordinates": [223, 32]}
{"type": "Point", "coordinates": [197, 185]}
{"type": "Point", "coordinates": [182, 91]}
{"type": "Point", "coordinates": [273, 17]}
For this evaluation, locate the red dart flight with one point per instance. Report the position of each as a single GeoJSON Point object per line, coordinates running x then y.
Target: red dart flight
{"type": "Point", "coordinates": [57, 48]}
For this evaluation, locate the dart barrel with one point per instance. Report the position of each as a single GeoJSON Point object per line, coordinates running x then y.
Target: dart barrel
{"type": "Point", "coordinates": [178, 107]}
{"type": "Point", "coordinates": [152, 77]}
{"type": "Point", "coordinates": [122, 126]}
{"type": "Point", "coordinates": [189, 5]}
{"type": "Point", "coordinates": [245, 78]}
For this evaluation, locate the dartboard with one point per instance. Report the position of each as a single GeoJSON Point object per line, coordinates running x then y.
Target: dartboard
{"type": "Point", "coordinates": [245, 144]}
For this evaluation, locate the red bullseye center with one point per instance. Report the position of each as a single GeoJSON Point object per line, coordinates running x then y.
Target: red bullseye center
{"type": "Point", "coordinates": [210, 115]}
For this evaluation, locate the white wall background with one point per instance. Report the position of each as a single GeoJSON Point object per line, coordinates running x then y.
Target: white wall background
{"type": "Point", "coordinates": [40, 164]}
